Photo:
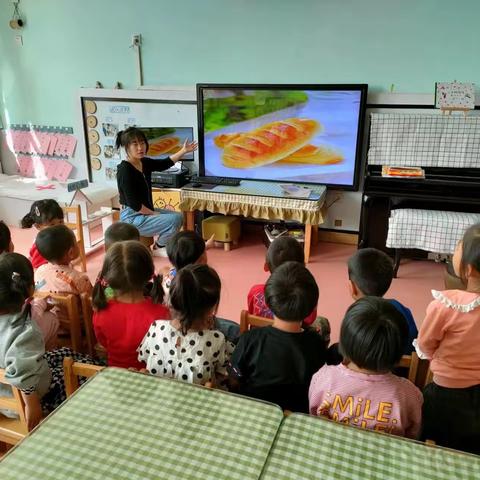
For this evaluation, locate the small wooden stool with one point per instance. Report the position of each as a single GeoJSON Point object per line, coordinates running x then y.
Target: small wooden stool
{"type": "Point", "coordinates": [225, 228]}
{"type": "Point", "coordinates": [147, 241]}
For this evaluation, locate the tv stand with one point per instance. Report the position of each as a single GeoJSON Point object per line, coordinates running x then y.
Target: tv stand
{"type": "Point", "coordinates": [255, 199]}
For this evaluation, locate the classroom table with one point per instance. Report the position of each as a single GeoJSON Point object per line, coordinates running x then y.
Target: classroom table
{"type": "Point", "coordinates": [311, 448]}
{"type": "Point", "coordinates": [127, 425]}
{"type": "Point", "coordinates": [256, 199]}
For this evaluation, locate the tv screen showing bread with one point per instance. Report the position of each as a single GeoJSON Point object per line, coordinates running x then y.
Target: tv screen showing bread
{"type": "Point", "coordinates": [286, 133]}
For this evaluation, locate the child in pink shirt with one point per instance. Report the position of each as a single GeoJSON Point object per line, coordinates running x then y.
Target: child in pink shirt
{"type": "Point", "coordinates": [363, 391]}
{"type": "Point", "coordinates": [450, 338]}
{"type": "Point", "coordinates": [59, 247]}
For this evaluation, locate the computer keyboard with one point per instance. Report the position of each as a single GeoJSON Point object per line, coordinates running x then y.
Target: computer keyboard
{"type": "Point", "coordinates": [229, 182]}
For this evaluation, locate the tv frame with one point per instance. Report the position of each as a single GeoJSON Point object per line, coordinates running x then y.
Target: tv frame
{"type": "Point", "coordinates": [361, 87]}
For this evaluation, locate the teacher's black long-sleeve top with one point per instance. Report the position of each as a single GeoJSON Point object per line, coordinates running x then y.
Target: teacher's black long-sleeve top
{"type": "Point", "coordinates": [135, 187]}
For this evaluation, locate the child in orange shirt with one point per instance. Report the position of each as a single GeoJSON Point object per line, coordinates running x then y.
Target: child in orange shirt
{"type": "Point", "coordinates": [58, 246]}
{"type": "Point", "coordinates": [450, 338]}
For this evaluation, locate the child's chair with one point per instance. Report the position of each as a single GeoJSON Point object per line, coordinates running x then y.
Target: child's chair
{"type": "Point", "coordinates": [410, 362]}
{"type": "Point", "coordinates": [12, 430]}
{"type": "Point", "coordinates": [72, 370]}
{"type": "Point", "coordinates": [247, 321]}
{"type": "Point", "coordinates": [94, 349]}
{"type": "Point", "coordinates": [73, 220]}
{"type": "Point", "coordinates": [69, 317]}
{"type": "Point", "coordinates": [147, 241]}
{"type": "Point", "coordinates": [87, 317]}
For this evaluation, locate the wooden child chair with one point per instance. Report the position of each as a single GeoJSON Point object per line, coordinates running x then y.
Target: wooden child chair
{"type": "Point", "coordinates": [72, 370]}
{"type": "Point", "coordinates": [410, 362]}
{"type": "Point", "coordinates": [73, 220]}
{"type": "Point", "coordinates": [69, 316]}
{"type": "Point", "coordinates": [94, 349]}
{"type": "Point", "coordinates": [12, 430]}
{"type": "Point", "coordinates": [247, 321]}
{"type": "Point", "coordinates": [87, 318]}
{"type": "Point", "coordinates": [147, 241]}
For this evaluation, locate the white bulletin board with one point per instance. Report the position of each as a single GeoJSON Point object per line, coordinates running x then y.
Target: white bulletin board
{"type": "Point", "coordinates": [105, 112]}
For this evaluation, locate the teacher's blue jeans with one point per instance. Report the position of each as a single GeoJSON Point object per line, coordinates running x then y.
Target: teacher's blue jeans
{"type": "Point", "coordinates": [165, 224]}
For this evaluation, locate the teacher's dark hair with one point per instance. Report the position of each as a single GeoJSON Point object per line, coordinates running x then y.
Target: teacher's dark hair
{"type": "Point", "coordinates": [128, 136]}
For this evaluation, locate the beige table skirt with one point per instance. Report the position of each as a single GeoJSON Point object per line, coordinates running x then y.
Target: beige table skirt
{"type": "Point", "coordinates": [263, 207]}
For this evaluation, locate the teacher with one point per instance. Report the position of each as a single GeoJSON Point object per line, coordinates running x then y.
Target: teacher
{"type": "Point", "coordinates": [135, 188]}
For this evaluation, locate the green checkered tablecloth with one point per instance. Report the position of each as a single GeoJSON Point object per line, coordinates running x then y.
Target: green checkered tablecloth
{"type": "Point", "coordinates": [310, 448]}
{"type": "Point", "coordinates": [125, 426]}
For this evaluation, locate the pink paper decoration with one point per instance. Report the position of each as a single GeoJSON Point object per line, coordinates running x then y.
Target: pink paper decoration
{"type": "Point", "coordinates": [62, 171]}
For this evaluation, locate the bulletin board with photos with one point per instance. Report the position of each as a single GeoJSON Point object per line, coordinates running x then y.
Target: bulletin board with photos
{"type": "Point", "coordinates": [166, 125]}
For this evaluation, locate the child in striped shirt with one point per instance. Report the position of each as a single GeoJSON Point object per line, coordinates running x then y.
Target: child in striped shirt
{"type": "Point", "coordinates": [363, 391]}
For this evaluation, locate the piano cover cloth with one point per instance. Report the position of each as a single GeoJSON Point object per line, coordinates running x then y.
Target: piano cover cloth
{"type": "Point", "coordinates": [429, 230]}
{"type": "Point", "coordinates": [424, 140]}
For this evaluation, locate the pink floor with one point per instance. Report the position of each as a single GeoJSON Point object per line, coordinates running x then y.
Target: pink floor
{"type": "Point", "coordinates": [240, 268]}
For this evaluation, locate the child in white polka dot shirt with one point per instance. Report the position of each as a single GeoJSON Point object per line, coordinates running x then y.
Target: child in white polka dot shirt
{"type": "Point", "coordinates": [188, 347]}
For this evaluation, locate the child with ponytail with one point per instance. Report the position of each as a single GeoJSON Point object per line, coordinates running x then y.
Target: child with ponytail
{"type": "Point", "coordinates": [122, 313]}
{"type": "Point", "coordinates": [43, 214]}
{"type": "Point", "coordinates": [38, 375]}
{"type": "Point", "coordinates": [188, 347]}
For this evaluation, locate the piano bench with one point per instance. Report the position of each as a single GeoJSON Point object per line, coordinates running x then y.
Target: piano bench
{"type": "Point", "coordinates": [430, 230]}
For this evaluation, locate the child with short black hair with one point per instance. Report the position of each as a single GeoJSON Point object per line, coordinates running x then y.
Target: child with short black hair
{"type": "Point", "coordinates": [58, 246]}
{"type": "Point", "coordinates": [370, 272]}
{"type": "Point", "coordinates": [6, 244]}
{"type": "Point", "coordinates": [43, 214]}
{"type": "Point", "coordinates": [120, 232]}
{"type": "Point", "coordinates": [450, 337]}
{"type": "Point", "coordinates": [282, 249]}
{"type": "Point", "coordinates": [184, 248]}
{"type": "Point", "coordinates": [276, 363]}
{"type": "Point", "coordinates": [188, 347]}
{"type": "Point", "coordinates": [363, 391]}
{"type": "Point", "coordinates": [122, 317]}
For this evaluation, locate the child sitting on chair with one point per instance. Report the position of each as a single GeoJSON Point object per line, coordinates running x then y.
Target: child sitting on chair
{"type": "Point", "coordinates": [281, 250]}
{"type": "Point", "coordinates": [276, 363]}
{"type": "Point", "coordinates": [120, 232]}
{"type": "Point", "coordinates": [370, 272]}
{"type": "Point", "coordinates": [188, 347]}
{"type": "Point", "coordinates": [450, 338]}
{"type": "Point", "coordinates": [189, 248]}
{"type": "Point", "coordinates": [184, 248]}
{"type": "Point", "coordinates": [43, 214]}
{"type": "Point", "coordinates": [40, 309]}
{"type": "Point", "coordinates": [58, 246]}
{"type": "Point", "coordinates": [37, 374]}
{"type": "Point", "coordinates": [363, 391]}
{"type": "Point", "coordinates": [122, 320]}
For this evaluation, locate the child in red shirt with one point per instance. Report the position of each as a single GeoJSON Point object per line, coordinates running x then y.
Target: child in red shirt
{"type": "Point", "coordinates": [281, 250]}
{"type": "Point", "coordinates": [121, 322]}
{"type": "Point", "coordinates": [43, 214]}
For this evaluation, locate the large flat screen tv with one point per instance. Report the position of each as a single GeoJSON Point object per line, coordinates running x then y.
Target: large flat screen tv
{"type": "Point", "coordinates": [285, 133]}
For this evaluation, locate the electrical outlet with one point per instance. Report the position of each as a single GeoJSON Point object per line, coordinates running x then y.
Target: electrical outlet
{"type": "Point", "coordinates": [136, 40]}
{"type": "Point", "coordinates": [338, 222]}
